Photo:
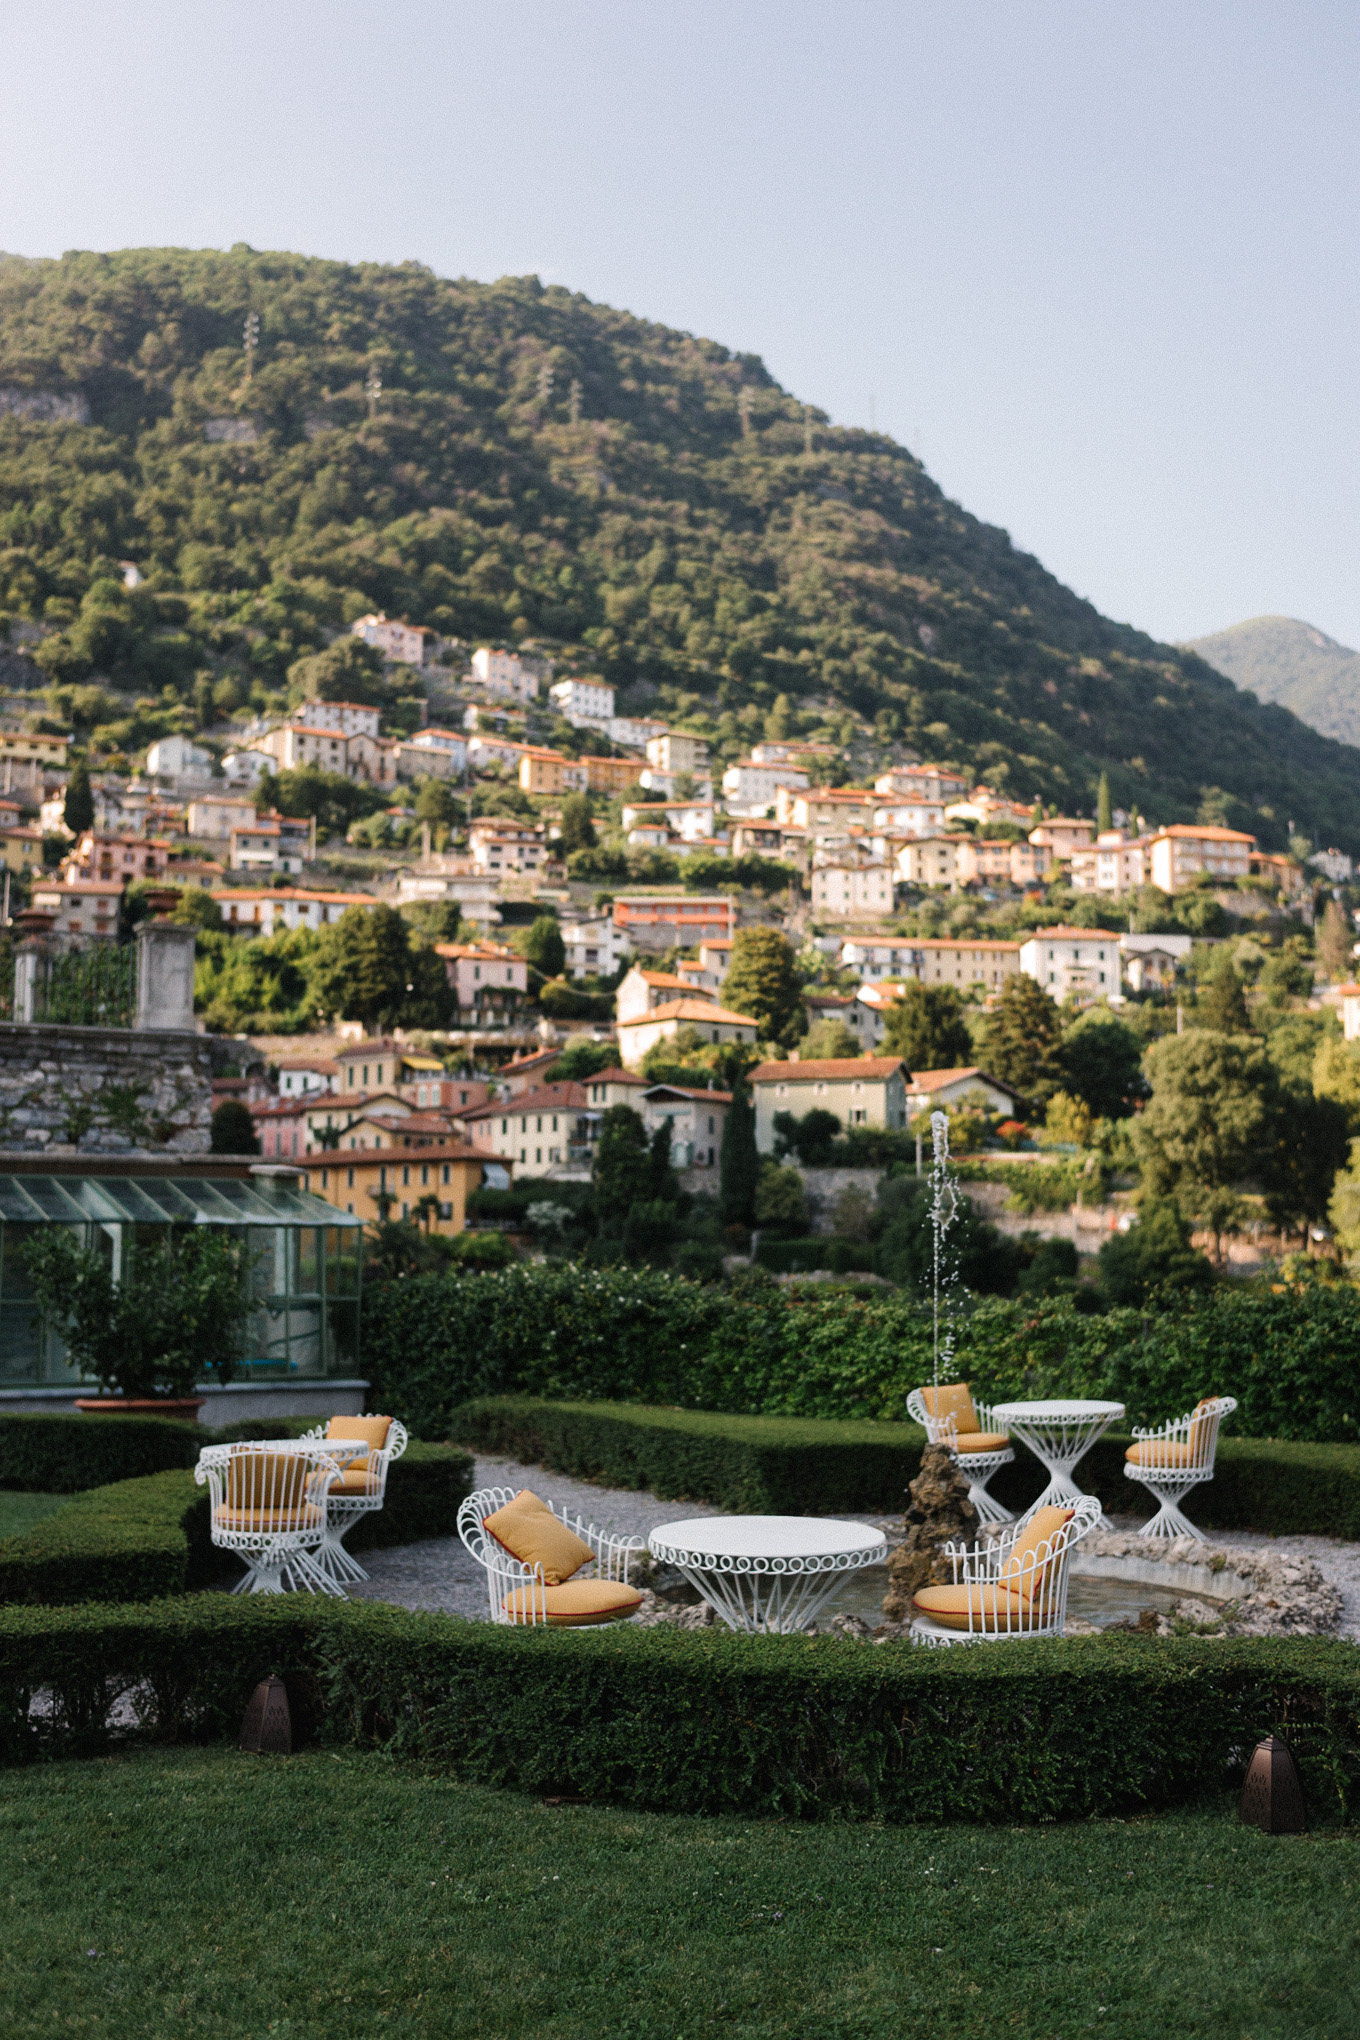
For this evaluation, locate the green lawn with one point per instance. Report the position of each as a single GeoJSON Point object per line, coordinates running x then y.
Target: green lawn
{"type": "Point", "coordinates": [191, 1892]}
{"type": "Point", "coordinates": [19, 1512]}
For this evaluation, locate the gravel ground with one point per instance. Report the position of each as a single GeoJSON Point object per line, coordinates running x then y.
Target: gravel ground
{"type": "Point", "coordinates": [440, 1574]}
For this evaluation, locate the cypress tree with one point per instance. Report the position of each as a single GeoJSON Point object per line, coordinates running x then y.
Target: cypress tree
{"type": "Point", "coordinates": [1104, 812]}
{"type": "Point", "coordinates": [78, 812]}
{"type": "Point", "coordinates": [738, 1162]}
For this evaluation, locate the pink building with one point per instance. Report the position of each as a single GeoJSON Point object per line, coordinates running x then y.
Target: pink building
{"type": "Point", "coordinates": [489, 981]}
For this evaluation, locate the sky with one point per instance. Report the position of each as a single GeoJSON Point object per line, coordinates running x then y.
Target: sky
{"type": "Point", "coordinates": [1095, 263]}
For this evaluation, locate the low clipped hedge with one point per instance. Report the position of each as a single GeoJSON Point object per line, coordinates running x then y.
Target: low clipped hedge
{"type": "Point", "coordinates": [751, 1465]}
{"type": "Point", "coordinates": [137, 1540]}
{"type": "Point", "coordinates": [804, 1257]}
{"type": "Point", "coordinates": [64, 1454]}
{"type": "Point", "coordinates": [792, 1466]}
{"type": "Point", "coordinates": [702, 1722]}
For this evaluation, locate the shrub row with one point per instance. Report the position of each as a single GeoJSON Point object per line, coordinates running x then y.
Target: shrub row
{"type": "Point", "coordinates": [61, 1455]}
{"type": "Point", "coordinates": [779, 1465]}
{"type": "Point", "coordinates": [801, 1257]}
{"type": "Point", "coordinates": [702, 1723]}
{"type": "Point", "coordinates": [633, 1335]}
{"type": "Point", "coordinates": [751, 1465]}
{"type": "Point", "coordinates": [139, 1539]}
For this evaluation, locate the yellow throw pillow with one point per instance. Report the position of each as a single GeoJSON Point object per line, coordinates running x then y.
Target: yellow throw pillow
{"type": "Point", "coordinates": [530, 1532]}
{"type": "Point", "coordinates": [574, 1605]}
{"type": "Point", "coordinates": [372, 1430]}
{"type": "Point", "coordinates": [271, 1482]}
{"type": "Point", "coordinates": [1020, 1569]}
{"type": "Point", "coordinates": [952, 1400]}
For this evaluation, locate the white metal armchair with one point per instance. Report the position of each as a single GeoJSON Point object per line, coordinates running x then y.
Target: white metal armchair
{"type": "Point", "coordinates": [1170, 1461]}
{"type": "Point", "coordinates": [361, 1488]}
{"type": "Point", "coordinates": [571, 1574]}
{"type": "Point", "coordinates": [268, 1505]}
{"type": "Point", "coordinates": [967, 1429]}
{"type": "Point", "coordinates": [1012, 1584]}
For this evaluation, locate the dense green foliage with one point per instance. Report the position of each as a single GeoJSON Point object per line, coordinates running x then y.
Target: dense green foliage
{"type": "Point", "coordinates": [713, 1722]}
{"type": "Point", "coordinates": [536, 464]}
{"type": "Point", "coordinates": [633, 1335]}
{"type": "Point", "coordinates": [64, 1454]}
{"type": "Point", "coordinates": [479, 1915]}
{"type": "Point", "coordinates": [750, 1465]}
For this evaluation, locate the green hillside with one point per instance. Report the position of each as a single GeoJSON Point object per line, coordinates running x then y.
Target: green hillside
{"type": "Point", "coordinates": [537, 466]}
{"type": "Point", "coordinates": [1303, 669]}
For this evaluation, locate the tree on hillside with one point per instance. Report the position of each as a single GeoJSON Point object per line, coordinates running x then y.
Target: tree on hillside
{"type": "Point", "coordinates": [1154, 1254]}
{"type": "Point", "coordinates": [926, 1027]}
{"type": "Point", "coordinates": [578, 829]}
{"type": "Point", "coordinates": [622, 1169]}
{"type": "Point", "coordinates": [1104, 810]}
{"type": "Point", "coordinates": [233, 1129]}
{"type": "Point", "coordinates": [829, 1041]}
{"type": "Point", "coordinates": [1336, 1075]}
{"type": "Point", "coordinates": [1210, 1123]}
{"type": "Point", "coordinates": [762, 981]}
{"type": "Point", "coordinates": [348, 670]}
{"type": "Point", "coordinates": [368, 968]}
{"type": "Point", "coordinates": [1022, 1039]}
{"type": "Point", "coordinates": [582, 1059]}
{"type": "Point", "coordinates": [1311, 1143]}
{"type": "Point", "coordinates": [1334, 940]}
{"type": "Point", "coordinates": [738, 1161]}
{"type": "Point", "coordinates": [542, 947]}
{"type": "Point", "coordinates": [1102, 1062]}
{"type": "Point", "coordinates": [1222, 1004]}
{"type": "Point", "coordinates": [333, 799]}
{"type": "Point", "coordinates": [78, 809]}
{"type": "Point", "coordinates": [437, 803]}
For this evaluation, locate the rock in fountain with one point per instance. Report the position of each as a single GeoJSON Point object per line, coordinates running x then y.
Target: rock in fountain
{"type": "Point", "coordinates": [940, 1514]}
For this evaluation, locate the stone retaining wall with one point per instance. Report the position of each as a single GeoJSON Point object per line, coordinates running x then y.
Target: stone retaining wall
{"type": "Point", "coordinates": [103, 1090]}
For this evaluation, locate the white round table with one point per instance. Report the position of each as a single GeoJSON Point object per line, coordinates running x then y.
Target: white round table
{"type": "Point", "coordinates": [766, 1572]}
{"type": "Point", "coordinates": [1058, 1434]}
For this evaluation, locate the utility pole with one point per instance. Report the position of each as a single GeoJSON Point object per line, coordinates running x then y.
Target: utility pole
{"type": "Point", "coordinates": [574, 401]}
{"type": "Point", "coordinates": [251, 337]}
{"type": "Point", "coordinates": [373, 389]}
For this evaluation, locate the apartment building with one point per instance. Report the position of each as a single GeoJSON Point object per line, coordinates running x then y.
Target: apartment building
{"type": "Point", "coordinates": [350, 718]}
{"type": "Point", "coordinates": [694, 1120]}
{"type": "Point", "coordinates": [675, 752]}
{"type": "Point", "coordinates": [610, 775]}
{"type": "Point", "coordinates": [595, 947]}
{"type": "Point", "coordinates": [450, 744]}
{"type": "Point", "coordinates": [879, 956]}
{"type": "Point", "coordinates": [504, 673]}
{"type": "Point", "coordinates": [825, 807]}
{"type": "Point", "coordinates": [21, 849]}
{"type": "Point", "coordinates": [710, 1021]}
{"type": "Point", "coordinates": [368, 760]}
{"type": "Point", "coordinates": [691, 820]}
{"type": "Point", "coordinates": [1285, 873]}
{"type": "Point", "coordinates": [551, 772]}
{"type": "Point", "coordinates": [849, 892]}
{"type": "Point", "coordinates": [642, 991]}
{"type": "Point", "coordinates": [403, 642]}
{"type": "Point", "coordinates": [211, 817]}
{"type": "Point", "coordinates": [1115, 863]}
{"type": "Point", "coordinates": [968, 961]}
{"type": "Point", "coordinates": [930, 782]}
{"type": "Point", "coordinates": [82, 906]}
{"type": "Point", "coordinates": [910, 814]}
{"type": "Point", "coordinates": [1073, 963]}
{"type": "Point", "coordinates": [868, 1091]}
{"type": "Point", "coordinates": [1179, 855]}
{"type": "Point", "coordinates": [432, 1186]}
{"type": "Point", "coordinates": [929, 861]}
{"type": "Point", "coordinates": [590, 701]}
{"type": "Point", "coordinates": [673, 921]}
{"type": "Point", "coordinates": [790, 751]}
{"type": "Point", "coordinates": [984, 860]}
{"type": "Point", "coordinates": [490, 981]}
{"type": "Point", "coordinates": [178, 758]}
{"type": "Point", "coordinates": [125, 858]}
{"type": "Point", "coordinates": [540, 1130]}
{"type": "Point", "coordinates": [28, 761]}
{"type": "Point", "coordinates": [1063, 835]}
{"type": "Point", "coordinates": [748, 786]}
{"type": "Point", "coordinates": [498, 846]}
{"type": "Point", "coordinates": [266, 909]}
{"type": "Point", "coordinates": [272, 843]}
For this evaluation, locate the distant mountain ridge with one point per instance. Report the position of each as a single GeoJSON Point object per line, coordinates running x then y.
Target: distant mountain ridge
{"type": "Point", "coordinates": [1281, 659]}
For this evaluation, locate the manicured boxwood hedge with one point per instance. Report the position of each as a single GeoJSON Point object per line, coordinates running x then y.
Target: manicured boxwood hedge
{"type": "Point", "coordinates": [801, 1257]}
{"type": "Point", "coordinates": [782, 1465]}
{"type": "Point", "coordinates": [138, 1539]}
{"type": "Point", "coordinates": [707, 1722]}
{"type": "Point", "coordinates": [64, 1454]}
{"type": "Point", "coordinates": [752, 1465]}
{"type": "Point", "coordinates": [633, 1335]}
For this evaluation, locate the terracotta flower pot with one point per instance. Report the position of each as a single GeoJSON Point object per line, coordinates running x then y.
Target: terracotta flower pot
{"type": "Point", "coordinates": [185, 1407]}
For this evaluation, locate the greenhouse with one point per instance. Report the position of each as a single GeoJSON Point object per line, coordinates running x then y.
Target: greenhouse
{"type": "Point", "coordinates": [305, 1261]}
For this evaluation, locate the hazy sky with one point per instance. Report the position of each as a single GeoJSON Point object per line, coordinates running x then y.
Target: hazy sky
{"type": "Point", "coordinates": [1096, 262]}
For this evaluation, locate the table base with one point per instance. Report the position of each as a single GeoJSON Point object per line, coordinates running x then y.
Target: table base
{"type": "Point", "coordinates": [767, 1603]}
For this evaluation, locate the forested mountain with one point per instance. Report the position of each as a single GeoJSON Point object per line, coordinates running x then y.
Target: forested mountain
{"type": "Point", "coordinates": [508, 461]}
{"type": "Point", "coordinates": [1281, 659]}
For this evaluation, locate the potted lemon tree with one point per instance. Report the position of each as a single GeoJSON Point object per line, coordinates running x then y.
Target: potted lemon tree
{"type": "Point", "coordinates": [148, 1338]}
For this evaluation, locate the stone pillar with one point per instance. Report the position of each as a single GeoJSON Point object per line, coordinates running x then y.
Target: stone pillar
{"type": "Point", "coordinates": [165, 978]}
{"type": "Point", "coordinates": [27, 963]}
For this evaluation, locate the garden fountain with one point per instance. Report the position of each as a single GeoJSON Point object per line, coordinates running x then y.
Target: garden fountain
{"type": "Point", "coordinates": [944, 1210]}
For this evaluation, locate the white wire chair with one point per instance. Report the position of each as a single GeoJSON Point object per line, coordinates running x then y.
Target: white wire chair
{"type": "Point", "coordinates": [1170, 1461]}
{"type": "Point", "coordinates": [1008, 1585]}
{"type": "Point", "coordinates": [361, 1488]}
{"type": "Point", "coordinates": [980, 1448]}
{"type": "Point", "coordinates": [519, 1594]}
{"type": "Point", "coordinates": [267, 1503]}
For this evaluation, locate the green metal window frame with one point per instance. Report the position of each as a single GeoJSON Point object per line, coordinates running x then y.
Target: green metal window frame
{"type": "Point", "coordinates": [306, 1264]}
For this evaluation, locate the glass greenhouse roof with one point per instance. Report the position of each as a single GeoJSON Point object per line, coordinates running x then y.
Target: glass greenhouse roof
{"type": "Point", "coordinates": [157, 1200]}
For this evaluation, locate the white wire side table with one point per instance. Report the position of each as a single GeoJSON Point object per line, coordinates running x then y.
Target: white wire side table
{"type": "Point", "coordinates": [1058, 1434]}
{"type": "Point", "coordinates": [766, 1573]}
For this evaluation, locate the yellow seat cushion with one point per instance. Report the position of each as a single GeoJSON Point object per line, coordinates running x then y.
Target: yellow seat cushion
{"type": "Point", "coordinates": [371, 1430]}
{"type": "Point", "coordinates": [304, 1518]}
{"type": "Point", "coordinates": [1019, 1567]}
{"type": "Point", "coordinates": [355, 1480]}
{"type": "Point", "coordinates": [268, 1481]}
{"type": "Point", "coordinates": [527, 1528]}
{"type": "Point", "coordinates": [1158, 1452]}
{"type": "Point", "coordinates": [573, 1605]}
{"type": "Point", "coordinates": [982, 1441]}
{"type": "Point", "coordinates": [952, 1399]}
{"type": "Point", "coordinates": [991, 1607]}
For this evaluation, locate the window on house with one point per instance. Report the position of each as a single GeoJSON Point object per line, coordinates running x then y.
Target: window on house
{"type": "Point", "coordinates": [446, 1172]}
